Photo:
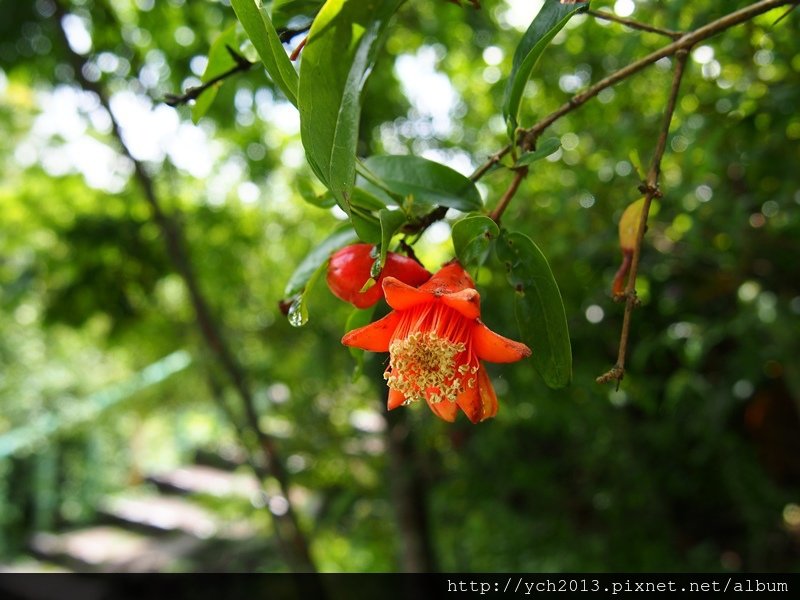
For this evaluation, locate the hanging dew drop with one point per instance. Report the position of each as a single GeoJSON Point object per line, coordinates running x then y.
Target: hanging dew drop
{"type": "Point", "coordinates": [298, 314]}
{"type": "Point", "coordinates": [375, 269]}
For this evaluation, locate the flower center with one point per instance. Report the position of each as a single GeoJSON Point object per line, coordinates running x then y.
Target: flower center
{"type": "Point", "coordinates": [423, 365]}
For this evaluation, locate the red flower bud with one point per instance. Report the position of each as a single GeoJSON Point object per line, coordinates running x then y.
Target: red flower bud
{"type": "Point", "coordinates": [349, 270]}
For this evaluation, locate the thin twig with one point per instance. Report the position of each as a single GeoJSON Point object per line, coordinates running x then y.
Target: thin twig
{"type": "Point", "coordinates": [506, 198]}
{"type": "Point", "coordinates": [651, 191]}
{"type": "Point", "coordinates": [242, 65]}
{"type": "Point", "coordinates": [685, 42]}
{"type": "Point", "coordinates": [296, 52]}
{"type": "Point", "coordinates": [607, 16]}
{"type": "Point", "coordinates": [490, 162]}
{"type": "Point", "coordinates": [297, 551]}
{"type": "Point", "coordinates": [285, 34]}
{"type": "Point", "coordinates": [784, 15]}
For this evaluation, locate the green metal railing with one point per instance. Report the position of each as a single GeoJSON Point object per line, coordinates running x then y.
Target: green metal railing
{"type": "Point", "coordinates": [44, 428]}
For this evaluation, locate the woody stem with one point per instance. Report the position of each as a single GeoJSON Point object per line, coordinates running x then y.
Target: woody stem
{"type": "Point", "coordinates": [651, 190]}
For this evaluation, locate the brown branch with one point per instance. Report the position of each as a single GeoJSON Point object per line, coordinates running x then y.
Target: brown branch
{"type": "Point", "coordinates": [505, 200]}
{"type": "Point", "coordinates": [297, 552]}
{"type": "Point", "coordinates": [684, 43]}
{"type": "Point", "coordinates": [651, 190]}
{"type": "Point", "coordinates": [242, 65]}
{"type": "Point", "coordinates": [490, 162]}
{"type": "Point", "coordinates": [607, 16]}
{"type": "Point", "coordinates": [285, 34]}
{"type": "Point", "coordinates": [296, 52]}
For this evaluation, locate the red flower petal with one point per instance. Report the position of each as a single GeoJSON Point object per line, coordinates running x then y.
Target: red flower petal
{"type": "Point", "coordinates": [467, 302]}
{"type": "Point", "coordinates": [493, 347]}
{"type": "Point", "coordinates": [444, 410]}
{"type": "Point", "coordinates": [449, 279]}
{"type": "Point", "coordinates": [479, 402]}
{"type": "Point", "coordinates": [487, 395]}
{"type": "Point", "coordinates": [395, 399]}
{"type": "Point", "coordinates": [469, 401]}
{"type": "Point", "coordinates": [401, 296]}
{"type": "Point", "coordinates": [374, 337]}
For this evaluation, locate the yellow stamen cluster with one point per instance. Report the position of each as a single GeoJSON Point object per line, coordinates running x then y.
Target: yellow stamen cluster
{"type": "Point", "coordinates": [425, 364]}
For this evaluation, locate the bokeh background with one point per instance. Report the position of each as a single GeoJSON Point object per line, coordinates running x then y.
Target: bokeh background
{"type": "Point", "coordinates": [118, 428]}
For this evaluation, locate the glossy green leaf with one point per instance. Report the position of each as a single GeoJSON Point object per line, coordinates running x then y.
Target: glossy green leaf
{"type": "Point", "coordinates": [550, 20]}
{"type": "Point", "coordinates": [342, 46]}
{"type": "Point", "coordinates": [633, 155]}
{"type": "Point", "coordinates": [285, 11]}
{"type": "Point", "coordinates": [391, 221]}
{"type": "Point", "coordinates": [298, 309]}
{"type": "Point", "coordinates": [306, 190]}
{"type": "Point", "coordinates": [259, 28]}
{"type": "Point", "coordinates": [538, 307]}
{"type": "Point", "coordinates": [366, 199]}
{"type": "Point", "coordinates": [545, 148]}
{"type": "Point", "coordinates": [369, 181]}
{"type": "Point", "coordinates": [363, 205]}
{"type": "Point", "coordinates": [358, 318]}
{"type": "Point", "coordinates": [317, 257]}
{"type": "Point", "coordinates": [472, 238]}
{"type": "Point", "coordinates": [428, 182]}
{"type": "Point", "coordinates": [219, 61]}
{"type": "Point", "coordinates": [367, 225]}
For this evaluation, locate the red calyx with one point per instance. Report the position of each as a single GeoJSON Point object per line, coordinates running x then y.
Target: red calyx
{"type": "Point", "coordinates": [349, 269]}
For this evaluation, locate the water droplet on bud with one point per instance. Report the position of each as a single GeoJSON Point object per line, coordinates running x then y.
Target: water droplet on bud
{"type": "Point", "coordinates": [375, 269]}
{"type": "Point", "coordinates": [298, 314]}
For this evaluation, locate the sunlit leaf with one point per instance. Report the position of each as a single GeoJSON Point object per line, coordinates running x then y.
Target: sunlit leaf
{"type": "Point", "coordinates": [629, 224]}
{"type": "Point", "coordinates": [306, 190]}
{"type": "Point", "coordinates": [472, 238]}
{"type": "Point", "coordinates": [391, 221]}
{"type": "Point", "coordinates": [545, 148]}
{"type": "Point", "coordinates": [342, 46]}
{"type": "Point", "coordinates": [428, 182]}
{"type": "Point", "coordinates": [219, 61]}
{"type": "Point", "coordinates": [317, 257]}
{"type": "Point", "coordinates": [259, 28]}
{"type": "Point", "coordinates": [285, 11]}
{"type": "Point", "coordinates": [544, 27]}
{"type": "Point", "coordinates": [538, 307]}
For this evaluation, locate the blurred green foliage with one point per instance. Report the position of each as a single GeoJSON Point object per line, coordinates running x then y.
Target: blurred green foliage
{"type": "Point", "coordinates": [693, 464]}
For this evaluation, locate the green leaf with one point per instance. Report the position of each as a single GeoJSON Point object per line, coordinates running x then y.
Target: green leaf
{"type": "Point", "coordinates": [298, 310]}
{"type": "Point", "coordinates": [367, 180]}
{"type": "Point", "coordinates": [551, 18]}
{"type": "Point", "coordinates": [367, 225]}
{"type": "Point", "coordinates": [305, 188]}
{"type": "Point", "coordinates": [637, 163]}
{"type": "Point", "coordinates": [472, 238]}
{"type": "Point", "coordinates": [391, 221]}
{"type": "Point", "coordinates": [545, 148]}
{"type": "Point", "coordinates": [342, 46]}
{"type": "Point", "coordinates": [366, 199]}
{"type": "Point", "coordinates": [219, 61]}
{"type": "Point", "coordinates": [284, 11]}
{"type": "Point", "coordinates": [430, 183]}
{"type": "Point", "coordinates": [317, 257]}
{"type": "Point", "coordinates": [358, 318]}
{"type": "Point", "coordinates": [538, 307]}
{"type": "Point", "coordinates": [259, 28]}
{"type": "Point", "coordinates": [363, 204]}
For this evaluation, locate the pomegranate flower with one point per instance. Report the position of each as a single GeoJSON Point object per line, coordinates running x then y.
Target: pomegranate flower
{"type": "Point", "coordinates": [436, 340]}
